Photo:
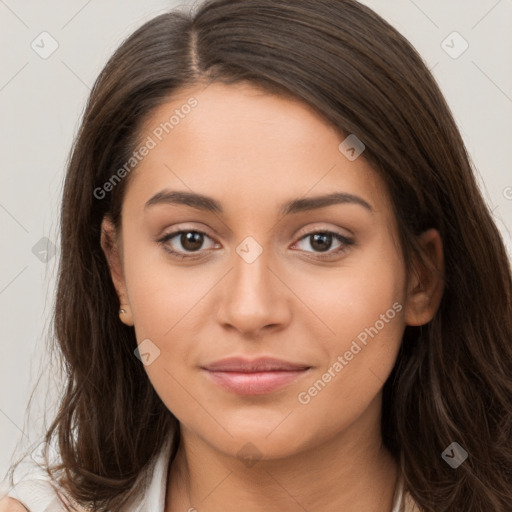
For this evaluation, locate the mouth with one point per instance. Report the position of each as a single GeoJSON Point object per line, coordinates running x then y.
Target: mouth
{"type": "Point", "coordinates": [254, 377]}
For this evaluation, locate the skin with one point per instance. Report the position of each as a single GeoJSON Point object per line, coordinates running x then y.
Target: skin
{"type": "Point", "coordinates": [11, 505]}
{"type": "Point", "coordinates": [253, 151]}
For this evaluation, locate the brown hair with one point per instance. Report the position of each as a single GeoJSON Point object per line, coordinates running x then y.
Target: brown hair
{"type": "Point", "coordinates": [452, 378]}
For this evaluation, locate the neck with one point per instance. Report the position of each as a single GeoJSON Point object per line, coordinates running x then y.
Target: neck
{"type": "Point", "coordinates": [351, 471]}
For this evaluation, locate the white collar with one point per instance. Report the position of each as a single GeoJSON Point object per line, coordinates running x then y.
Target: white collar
{"type": "Point", "coordinates": [397, 498]}
{"type": "Point", "coordinates": [154, 496]}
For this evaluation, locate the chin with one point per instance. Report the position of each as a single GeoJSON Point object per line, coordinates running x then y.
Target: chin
{"type": "Point", "coordinates": [257, 437]}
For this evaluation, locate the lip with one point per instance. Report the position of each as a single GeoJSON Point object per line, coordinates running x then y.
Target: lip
{"type": "Point", "coordinates": [254, 376]}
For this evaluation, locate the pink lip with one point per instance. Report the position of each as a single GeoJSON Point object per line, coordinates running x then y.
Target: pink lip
{"type": "Point", "coordinates": [254, 377]}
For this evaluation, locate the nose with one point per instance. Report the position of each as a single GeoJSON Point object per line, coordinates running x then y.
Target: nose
{"type": "Point", "coordinates": [253, 298]}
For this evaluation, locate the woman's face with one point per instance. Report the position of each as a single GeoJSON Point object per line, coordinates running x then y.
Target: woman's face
{"type": "Point", "coordinates": [265, 267]}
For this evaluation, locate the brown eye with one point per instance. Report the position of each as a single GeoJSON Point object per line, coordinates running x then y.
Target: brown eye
{"type": "Point", "coordinates": [321, 243]}
{"type": "Point", "coordinates": [191, 240]}
{"type": "Point", "coordinates": [179, 243]}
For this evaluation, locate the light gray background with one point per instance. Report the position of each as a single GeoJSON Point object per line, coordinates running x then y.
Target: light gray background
{"type": "Point", "coordinates": [41, 101]}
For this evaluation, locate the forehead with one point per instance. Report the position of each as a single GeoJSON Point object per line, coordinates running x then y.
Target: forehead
{"type": "Point", "coordinates": [239, 142]}
{"type": "Point", "coordinates": [227, 117]}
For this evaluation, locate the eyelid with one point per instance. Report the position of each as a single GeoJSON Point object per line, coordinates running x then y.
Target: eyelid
{"type": "Point", "coordinates": [323, 229]}
{"type": "Point", "coordinates": [180, 228]}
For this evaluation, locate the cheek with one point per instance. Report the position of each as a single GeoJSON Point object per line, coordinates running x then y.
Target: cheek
{"type": "Point", "coordinates": [168, 305]}
{"type": "Point", "coordinates": [348, 386]}
{"type": "Point", "coordinates": [364, 306]}
{"type": "Point", "coordinates": [161, 293]}
{"type": "Point", "coordinates": [342, 391]}
{"type": "Point", "coordinates": [353, 296]}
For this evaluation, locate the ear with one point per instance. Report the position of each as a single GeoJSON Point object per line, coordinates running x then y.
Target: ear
{"type": "Point", "coordinates": [426, 281]}
{"type": "Point", "coordinates": [111, 245]}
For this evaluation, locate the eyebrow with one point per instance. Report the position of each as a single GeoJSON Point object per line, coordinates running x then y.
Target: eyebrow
{"type": "Point", "coordinates": [202, 202]}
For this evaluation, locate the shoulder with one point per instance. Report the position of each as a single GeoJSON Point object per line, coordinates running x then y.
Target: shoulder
{"type": "Point", "coordinates": [409, 504]}
{"type": "Point", "coordinates": [34, 492]}
{"type": "Point", "coordinates": [11, 505]}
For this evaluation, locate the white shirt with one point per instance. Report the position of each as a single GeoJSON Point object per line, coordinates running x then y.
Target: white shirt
{"type": "Point", "coordinates": [38, 494]}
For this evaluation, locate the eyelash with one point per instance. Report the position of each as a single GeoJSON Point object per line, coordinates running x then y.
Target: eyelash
{"type": "Point", "coordinates": [346, 243]}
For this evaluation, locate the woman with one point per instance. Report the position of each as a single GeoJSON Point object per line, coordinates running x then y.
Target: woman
{"type": "Point", "coordinates": [280, 287]}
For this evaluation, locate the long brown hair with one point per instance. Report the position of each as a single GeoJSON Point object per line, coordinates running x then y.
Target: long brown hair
{"type": "Point", "coordinates": [452, 379]}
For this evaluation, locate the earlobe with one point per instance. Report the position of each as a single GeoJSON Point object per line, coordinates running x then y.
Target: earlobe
{"type": "Point", "coordinates": [125, 314]}
{"type": "Point", "coordinates": [110, 245]}
{"type": "Point", "coordinates": [426, 282]}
